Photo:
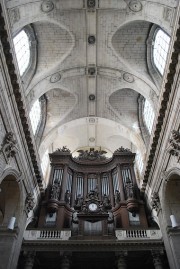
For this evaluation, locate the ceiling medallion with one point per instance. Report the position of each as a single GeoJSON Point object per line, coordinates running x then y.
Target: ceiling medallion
{"type": "Point", "coordinates": [91, 71]}
{"type": "Point", "coordinates": [92, 97]}
{"type": "Point", "coordinates": [91, 139]}
{"type": "Point", "coordinates": [135, 6]}
{"type": "Point", "coordinates": [92, 120]}
{"type": "Point", "coordinates": [55, 77]}
{"type": "Point", "coordinates": [91, 3]}
{"type": "Point", "coordinates": [91, 39]}
{"type": "Point", "coordinates": [47, 6]}
{"type": "Point", "coordinates": [128, 77]}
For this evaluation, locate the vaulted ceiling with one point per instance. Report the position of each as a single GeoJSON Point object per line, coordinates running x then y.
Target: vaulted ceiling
{"type": "Point", "coordinates": [92, 64]}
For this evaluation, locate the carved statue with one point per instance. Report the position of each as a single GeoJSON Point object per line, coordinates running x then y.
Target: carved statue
{"type": "Point", "coordinates": [106, 202]}
{"type": "Point", "coordinates": [91, 155]}
{"type": "Point", "coordinates": [67, 197]}
{"type": "Point", "coordinates": [121, 149]}
{"type": "Point", "coordinates": [63, 149]}
{"type": "Point", "coordinates": [8, 146]}
{"type": "Point", "coordinates": [130, 191]}
{"type": "Point", "coordinates": [55, 189]}
{"type": "Point", "coordinates": [78, 202]}
{"type": "Point", "coordinates": [117, 197]}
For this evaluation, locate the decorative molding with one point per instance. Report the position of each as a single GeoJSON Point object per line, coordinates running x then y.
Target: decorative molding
{"type": "Point", "coordinates": [55, 77]}
{"type": "Point", "coordinates": [29, 202]}
{"type": "Point", "coordinates": [155, 201]}
{"type": "Point", "coordinates": [163, 107]}
{"type": "Point", "coordinates": [128, 77]}
{"type": "Point", "coordinates": [91, 3]}
{"type": "Point", "coordinates": [8, 147]}
{"type": "Point", "coordinates": [135, 6]}
{"type": "Point", "coordinates": [14, 15]}
{"type": "Point", "coordinates": [92, 97]}
{"type": "Point", "coordinates": [47, 6]}
{"type": "Point", "coordinates": [64, 149]}
{"type": "Point", "coordinates": [91, 39]}
{"type": "Point", "coordinates": [174, 144]}
{"type": "Point", "coordinates": [92, 155]}
{"type": "Point", "coordinates": [121, 149]}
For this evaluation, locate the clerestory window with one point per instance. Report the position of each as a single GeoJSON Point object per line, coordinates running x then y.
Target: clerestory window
{"type": "Point", "coordinates": [160, 50]}
{"type": "Point", "coordinates": [35, 115]}
{"type": "Point", "coordinates": [22, 49]}
{"type": "Point", "coordinates": [148, 115]}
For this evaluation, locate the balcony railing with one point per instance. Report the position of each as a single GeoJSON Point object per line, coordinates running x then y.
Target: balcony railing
{"type": "Point", "coordinates": [47, 235]}
{"type": "Point", "coordinates": [138, 234]}
{"type": "Point", "coordinates": [121, 235]}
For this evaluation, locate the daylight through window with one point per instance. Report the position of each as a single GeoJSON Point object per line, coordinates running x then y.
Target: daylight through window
{"type": "Point", "coordinates": [44, 162]}
{"type": "Point", "coordinates": [35, 115]}
{"type": "Point", "coordinates": [148, 115]}
{"type": "Point", "coordinates": [160, 50]}
{"type": "Point", "coordinates": [22, 49]}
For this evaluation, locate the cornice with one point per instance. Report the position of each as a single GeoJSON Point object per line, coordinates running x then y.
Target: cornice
{"type": "Point", "coordinates": [18, 96]}
{"type": "Point", "coordinates": [168, 88]}
{"type": "Point", "coordinates": [92, 245]}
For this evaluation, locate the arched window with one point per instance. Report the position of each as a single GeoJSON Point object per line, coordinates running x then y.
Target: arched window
{"type": "Point", "coordinates": [160, 50]}
{"type": "Point", "coordinates": [35, 115]}
{"type": "Point", "coordinates": [22, 49]}
{"type": "Point", "coordinates": [148, 115]}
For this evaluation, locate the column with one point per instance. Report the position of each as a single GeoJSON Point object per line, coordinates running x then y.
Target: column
{"type": "Point", "coordinates": [29, 260]}
{"type": "Point", "coordinates": [120, 183]}
{"type": "Point", "coordinates": [157, 260]}
{"type": "Point", "coordinates": [121, 261]}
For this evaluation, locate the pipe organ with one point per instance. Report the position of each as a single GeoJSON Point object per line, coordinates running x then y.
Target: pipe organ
{"type": "Point", "coordinates": [92, 194]}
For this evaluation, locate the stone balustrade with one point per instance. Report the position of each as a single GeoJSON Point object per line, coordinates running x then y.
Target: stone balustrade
{"type": "Point", "coordinates": [47, 234]}
{"type": "Point", "coordinates": [138, 234]}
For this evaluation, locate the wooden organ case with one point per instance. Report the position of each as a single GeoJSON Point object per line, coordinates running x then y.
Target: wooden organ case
{"type": "Point", "coordinates": [92, 195]}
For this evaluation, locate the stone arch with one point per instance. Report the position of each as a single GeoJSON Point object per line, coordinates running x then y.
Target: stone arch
{"type": "Point", "coordinates": [170, 201]}
{"type": "Point", "coordinates": [12, 177]}
{"type": "Point", "coordinates": [10, 200]}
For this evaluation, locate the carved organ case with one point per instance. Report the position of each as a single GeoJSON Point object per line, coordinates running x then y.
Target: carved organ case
{"type": "Point", "coordinates": [92, 195]}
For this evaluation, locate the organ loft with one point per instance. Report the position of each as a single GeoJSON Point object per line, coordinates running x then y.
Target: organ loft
{"type": "Point", "coordinates": [93, 201]}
